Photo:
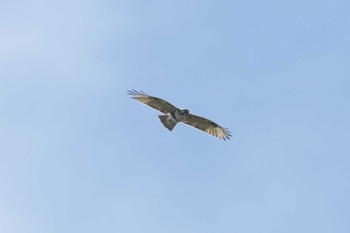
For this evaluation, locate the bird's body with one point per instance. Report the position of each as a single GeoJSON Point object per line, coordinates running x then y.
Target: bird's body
{"type": "Point", "coordinates": [170, 120]}
{"type": "Point", "coordinates": [179, 115]}
{"type": "Point", "coordinates": [174, 115]}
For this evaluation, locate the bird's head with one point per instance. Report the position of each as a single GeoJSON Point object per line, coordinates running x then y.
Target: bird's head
{"type": "Point", "coordinates": [184, 112]}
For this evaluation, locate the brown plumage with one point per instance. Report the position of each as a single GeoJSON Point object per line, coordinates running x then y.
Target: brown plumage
{"type": "Point", "coordinates": [207, 126]}
{"type": "Point", "coordinates": [154, 102]}
{"type": "Point", "coordinates": [173, 115]}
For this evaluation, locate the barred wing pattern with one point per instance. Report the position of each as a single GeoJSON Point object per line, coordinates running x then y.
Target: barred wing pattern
{"type": "Point", "coordinates": [207, 126]}
{"type": "Point", "coordinates": [153, 102]}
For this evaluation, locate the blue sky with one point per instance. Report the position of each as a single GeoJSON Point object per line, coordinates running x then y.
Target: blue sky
{"type": "Point", "coordinates": [78, 155]}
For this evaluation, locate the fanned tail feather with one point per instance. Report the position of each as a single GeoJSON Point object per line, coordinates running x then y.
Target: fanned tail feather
{"type": "Point", "coordinates": [167, 121]}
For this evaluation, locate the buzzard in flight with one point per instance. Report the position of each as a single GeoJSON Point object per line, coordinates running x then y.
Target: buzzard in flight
{"type": "Point", "coordinates": [173, 115]}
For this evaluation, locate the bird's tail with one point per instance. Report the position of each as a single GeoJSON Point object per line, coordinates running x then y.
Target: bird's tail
{"type": "Point", "coordinates": [167, 121]}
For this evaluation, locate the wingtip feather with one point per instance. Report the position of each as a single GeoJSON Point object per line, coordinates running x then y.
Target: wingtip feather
{"type": "Point", "coordinates": [135, 92]}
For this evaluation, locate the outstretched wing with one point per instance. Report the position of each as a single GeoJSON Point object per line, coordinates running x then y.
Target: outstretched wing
{"type": "Point", "coordinates": [207, 126]}
{"type": "Point", "coordinates": [154, 102]}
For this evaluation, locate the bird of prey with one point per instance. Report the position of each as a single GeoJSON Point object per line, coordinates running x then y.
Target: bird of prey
{"type": "Point", "coordinates": [173, 115]}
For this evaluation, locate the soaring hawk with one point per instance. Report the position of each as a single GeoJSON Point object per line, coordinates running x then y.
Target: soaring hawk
{"type": "Point", "coordinates": [173, 115]}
